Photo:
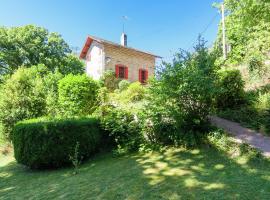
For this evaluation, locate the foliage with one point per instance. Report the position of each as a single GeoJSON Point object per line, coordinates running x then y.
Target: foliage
{"type": "Point", "coordinates": [71, 65]}
{"type": "Point", "coordinates": [262, 101]}
{"type": "Point", "coordinates": [181, 99]}
{"type": "Point", "coordinates": [245, 115]}
{"type": "Point", "coordinates": [230, 92]}
{"type": "Point", "coordinates": [50, 81]}
{"type": "Point", "coordinates": [103, 96]}
{"type": "Point", "coordinates": [256, 65]}
{"type": "Point", "coordinates": [123, 126]}
{"type": "Point", "coordinates": [75, 159]}
{"type": "Point", "coordinates": [48, 143]}
{"type": "Point", "coordinates": [226, 143]}
{"type": "Point", "coordinates": [247, 29]}
{"type": "Point", "coordinates": [77, 95]}
{"type": "Point", "coordinates": [220, 171]}
{"type": "Point", "coordinates": [31, 45]}
{"type": "Point", "coordinates": [159, 128]}
{"type": "Point", "coordinates": [22, 97]}
{"type": "Point", "coordinates": [135, 92]}
{"type": "Point", "coordinates": [123, 85]}
{"type": "Point", "coordinates": [254, 113]}
{"type": "Point", "coordinates": [120, 115]}
{"type": "Point", "coordinates": [109, 80]}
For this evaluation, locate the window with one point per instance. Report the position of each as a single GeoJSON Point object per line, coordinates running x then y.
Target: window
{"type": "Point", "coordinates": [143, 75]}
{"type": "Point", "coordinates": [121, 71]}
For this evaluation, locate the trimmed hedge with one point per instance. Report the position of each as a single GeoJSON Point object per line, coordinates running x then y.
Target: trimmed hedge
{"type": "Point", "coordinates": [44, 143]}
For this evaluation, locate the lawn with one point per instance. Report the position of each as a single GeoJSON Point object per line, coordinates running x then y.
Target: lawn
{"type": "Point", "coordinates": [205, 173]}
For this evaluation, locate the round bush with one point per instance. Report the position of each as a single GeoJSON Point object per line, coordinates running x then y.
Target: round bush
{"type": "Point", "coordinates": [43, 143]}
{"type": "Point", "coordinates": [109, 80]}
{"type": "Point", "coordinates": [77, 95]}
{"type": "Point", "coordinates": [134, 93]}
{"type": "Point", "coordinates": [123, 85]}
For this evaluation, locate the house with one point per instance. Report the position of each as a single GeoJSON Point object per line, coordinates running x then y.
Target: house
{"type": "Point", "coordinates": [128, 63]}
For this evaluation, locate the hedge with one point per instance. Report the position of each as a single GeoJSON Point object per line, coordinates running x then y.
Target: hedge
{"type": "Point", "coordinates": [49, 143]}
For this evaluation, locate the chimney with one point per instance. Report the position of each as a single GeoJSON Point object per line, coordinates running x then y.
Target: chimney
{"type": "Point", "coordinates": [124, 39]}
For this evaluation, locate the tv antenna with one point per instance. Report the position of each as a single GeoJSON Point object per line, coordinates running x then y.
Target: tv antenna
{"type": "Point", "coordinates": [125, 18]}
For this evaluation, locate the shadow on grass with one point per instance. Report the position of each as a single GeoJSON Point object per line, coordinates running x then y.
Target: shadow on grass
{"type": "Point", "coordinates": [204, 173]}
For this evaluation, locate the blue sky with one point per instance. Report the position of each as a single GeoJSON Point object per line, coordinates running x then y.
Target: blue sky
{"type": "Point", "coordinates": [158, 26]}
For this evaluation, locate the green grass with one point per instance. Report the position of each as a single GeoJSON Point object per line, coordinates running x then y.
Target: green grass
{"type": "Point", "coordinates": [175, 173]}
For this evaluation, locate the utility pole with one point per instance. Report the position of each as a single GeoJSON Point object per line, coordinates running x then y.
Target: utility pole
{"type": "Point", "coordinates": [223, 32]}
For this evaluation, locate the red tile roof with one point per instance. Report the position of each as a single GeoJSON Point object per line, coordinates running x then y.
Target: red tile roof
{"type": "Point", "coordinates": [90, 39]}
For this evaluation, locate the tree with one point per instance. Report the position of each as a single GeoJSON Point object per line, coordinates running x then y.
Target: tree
{"type": "Point", "coordinates": [22, 97]}
{"type": "Point", "coordinates": [30, 45]}
{"type": "Point", "coordinates": [247, 28]}
{"type": "Point", "coordinates": [181, 98]}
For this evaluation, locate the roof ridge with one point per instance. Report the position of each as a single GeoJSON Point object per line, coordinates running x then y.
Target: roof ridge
{"type": "Point", "coordinates": [119, 45]}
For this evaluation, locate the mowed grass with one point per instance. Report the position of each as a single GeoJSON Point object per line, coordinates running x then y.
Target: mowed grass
{"type": "Point", "coordinates": [205, 173]}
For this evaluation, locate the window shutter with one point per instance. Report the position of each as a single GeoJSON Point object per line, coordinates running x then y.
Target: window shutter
{"type": "Point", "coordinates": [116, 71]}
{"type": "Point", "coordinates": [126, 72]}
{"type": "Point", "coordinates": [146, 75]}
{"type": "Point", "coordinates": [140, 75]}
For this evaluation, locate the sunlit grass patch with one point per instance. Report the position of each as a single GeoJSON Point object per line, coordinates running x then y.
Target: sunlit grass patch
{"type": "Point", "coordinates": [175, 173]}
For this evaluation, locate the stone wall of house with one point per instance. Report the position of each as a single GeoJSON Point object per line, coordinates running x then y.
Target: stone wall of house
{"type": "Point", "coordinates": [132, 59]}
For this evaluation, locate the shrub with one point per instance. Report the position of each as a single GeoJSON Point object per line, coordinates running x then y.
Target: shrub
{"type": "Point", "coordinates": [123, 127]}
{"type": "Point", "coordinates": [103, 95]}
{"type": "Point", "coordinates": [77, 95]}
{"type": "Point", "coordinates": [254, 113]}
{"type": "Point", "coordinates": [159, 129]}
{"type": "Point", "coordinates": [123, 85]}
{"type": "Point", "coordinates": [262, 102]}
{"type": "Point", "coordinates": [230, 87]}
{"type": "Point", "coordinates": [49, 143]}
{"type": "Point", "coordinates": [256, 65]}
{"type": "Point", "coordinates": [109, 80]}
{"type": "Point", "coordinates": [246, 115]}
{"type": "Point", "coordinates": [134, 93]}
{"type": "Point", "coordinates": [181, 98]}
{"type": "Point", "coordinates": [22, 97]}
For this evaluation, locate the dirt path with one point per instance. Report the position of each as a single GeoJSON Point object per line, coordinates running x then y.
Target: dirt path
{"type": "Point", "coordinates": [255, 139]}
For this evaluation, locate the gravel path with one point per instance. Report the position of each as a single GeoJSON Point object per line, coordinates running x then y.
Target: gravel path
{"type": "Point", "coordinates": [255, 139]}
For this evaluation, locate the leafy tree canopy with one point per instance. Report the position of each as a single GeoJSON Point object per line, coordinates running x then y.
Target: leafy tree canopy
{"type": "Point", "coordinates": [182, 97]}
{"type": "Point", "coordinates": [247, 28]}
{"type": "Point", "coordinates": [31, 45]}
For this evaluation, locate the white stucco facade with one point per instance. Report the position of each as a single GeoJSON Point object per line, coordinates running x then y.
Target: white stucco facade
{"type": "Point", "coordinates": [95, 58]}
